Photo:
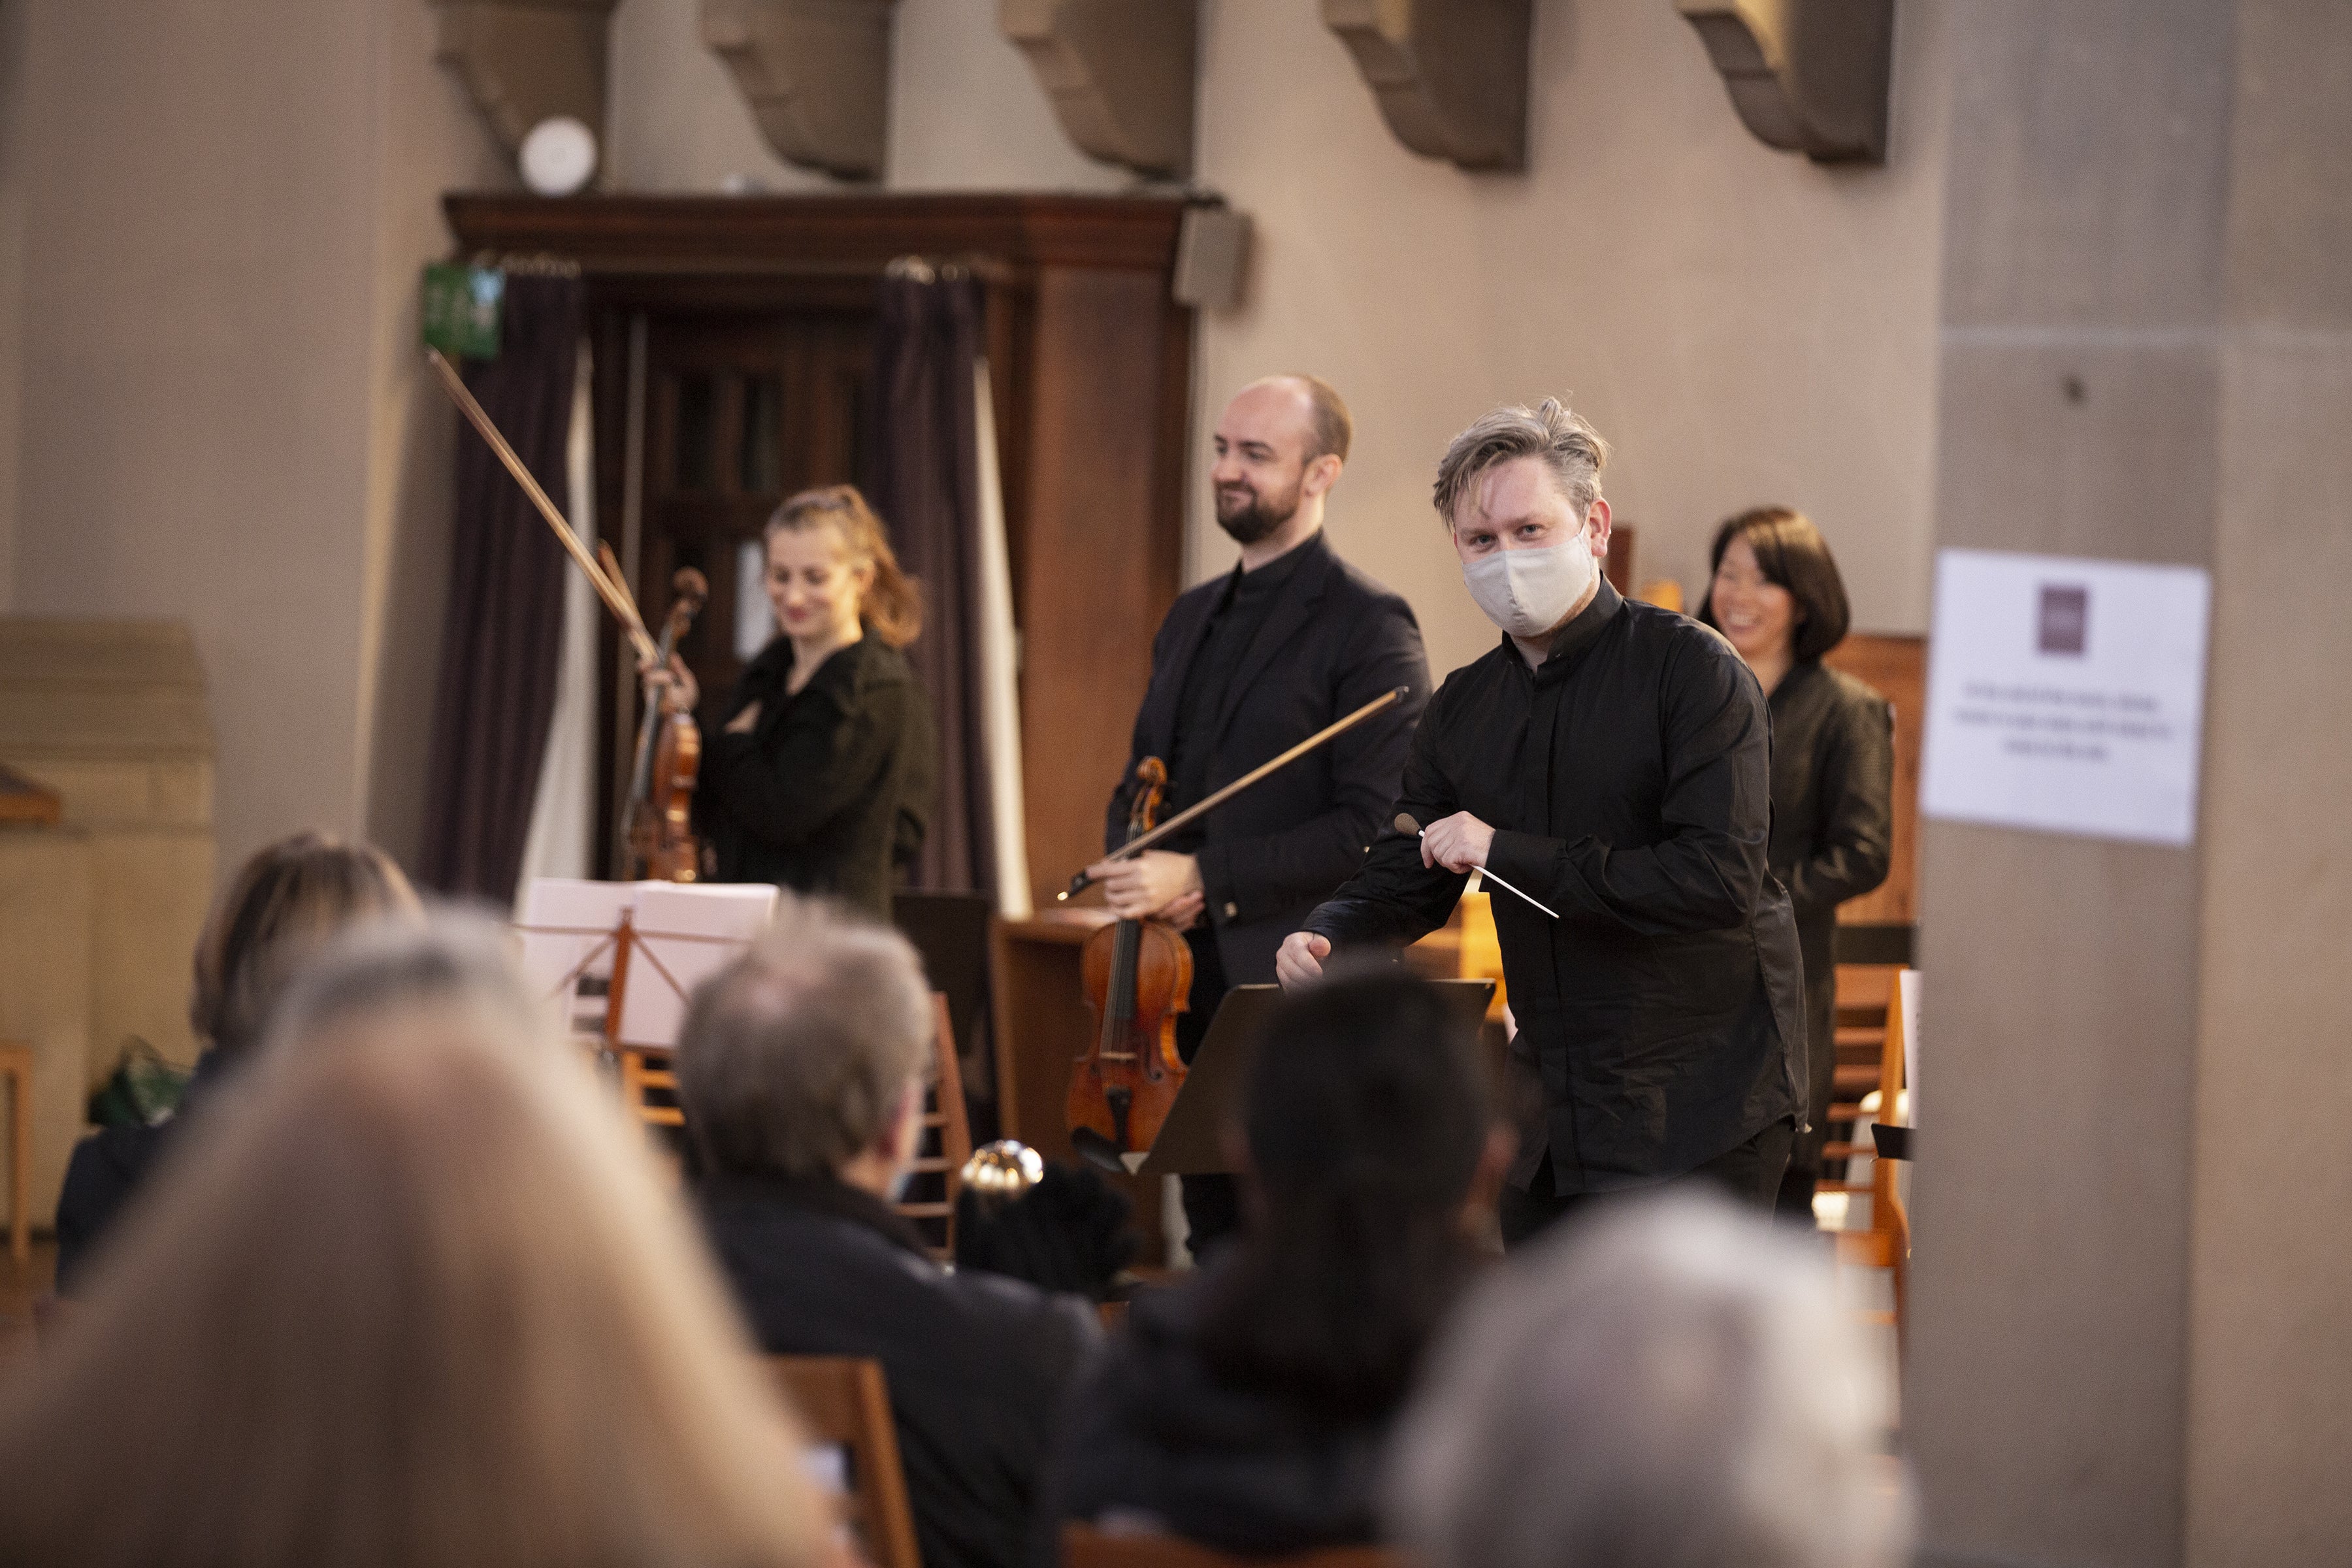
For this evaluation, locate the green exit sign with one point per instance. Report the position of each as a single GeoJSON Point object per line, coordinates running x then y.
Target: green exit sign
{"type": "Point", "coordinates": [461, 307]}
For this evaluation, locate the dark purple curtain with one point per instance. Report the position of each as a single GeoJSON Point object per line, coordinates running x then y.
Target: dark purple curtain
{"type": "Point", "coordinates": [923, 478]}
{"type": "Point", "coordinates": [503, 630]}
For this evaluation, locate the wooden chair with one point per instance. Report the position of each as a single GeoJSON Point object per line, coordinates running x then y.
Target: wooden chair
{"type": "Point", "coordinates": [843, 1401]}
{"type": "Point", "coordinates": [646, 1074]}
{"type": "Point", "coordinates": [1887, 1243]}
{"type": "Point", "coordinates": [1865, 992]}
{"type": "Point", "coordinates": [946, 1139]}
{"type": "Point", "coordinates": [1084, 1546]}
{"type": "Point", "coordinates": [17, 1067]}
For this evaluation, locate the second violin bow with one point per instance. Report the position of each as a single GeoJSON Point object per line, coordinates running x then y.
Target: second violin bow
{"type": "Point", "coordinates": [1081, 882]}
{"type": "Point", "coordinates": [617, 597]}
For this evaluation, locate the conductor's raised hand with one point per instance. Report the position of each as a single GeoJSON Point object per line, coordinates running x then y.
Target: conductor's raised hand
{"type": "Point", "coordinates": [1300, 958]}
{"type": "Point", "coordinates": [1458, 843]}
{"type": "Point", "coordinates": [1148, 884]}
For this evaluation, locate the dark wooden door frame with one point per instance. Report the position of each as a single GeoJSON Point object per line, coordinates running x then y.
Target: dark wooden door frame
{"type": "Point", "coordinates": [1090, 366]}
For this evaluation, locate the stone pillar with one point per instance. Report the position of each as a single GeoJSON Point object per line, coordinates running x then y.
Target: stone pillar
{"type": "Point", "coordinates": [2130, 1342]}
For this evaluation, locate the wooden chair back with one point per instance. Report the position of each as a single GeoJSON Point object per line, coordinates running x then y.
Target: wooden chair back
{"type": "Point", "coordinates": [649, 1086]}
{"type": "Point", "coordinates": [1084, 1546]}
{"type": "Point", "coordinates": [1886, 1244]}
{"type": "Point", "coordinates": [843, 1401]}
{"type": "Point", "coordinates": [946, 1139]}
{"type": "Point", "coordinates": [17, 1068]}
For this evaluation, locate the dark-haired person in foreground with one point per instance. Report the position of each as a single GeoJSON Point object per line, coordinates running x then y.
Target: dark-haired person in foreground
{"type": "Point", "coordinates": [1776, 594]}
{"type": "Point", "coordinates": [1248, 1408]}
{"type": "Point", "coordinates": [1613, 760]}
{"type": "Point", "coordinates": [800, 1068]}
{"type": "Point", "coordinates": [287, 899]}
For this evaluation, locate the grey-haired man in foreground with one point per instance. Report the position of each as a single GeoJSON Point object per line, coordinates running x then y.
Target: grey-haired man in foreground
{"type": "Point", "coordinates": [802, 1067]}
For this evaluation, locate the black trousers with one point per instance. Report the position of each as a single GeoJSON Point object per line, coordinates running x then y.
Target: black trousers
{"type": "Point", "coordinates": [1748, 1173]}
{"type": "Point", "coordinates": [1796, 1201]}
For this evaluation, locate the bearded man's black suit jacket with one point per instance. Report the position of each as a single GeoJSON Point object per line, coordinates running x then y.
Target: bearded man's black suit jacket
{"type": "Point", "coordinates": [1325, 641]}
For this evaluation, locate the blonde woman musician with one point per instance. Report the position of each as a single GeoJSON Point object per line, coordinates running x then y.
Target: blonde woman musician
{"type": "Point", "coordinates": [822, 776]}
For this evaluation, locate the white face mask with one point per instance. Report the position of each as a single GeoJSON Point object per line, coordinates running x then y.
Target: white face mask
{"type": "Point", "coordinates": [1528, 592]}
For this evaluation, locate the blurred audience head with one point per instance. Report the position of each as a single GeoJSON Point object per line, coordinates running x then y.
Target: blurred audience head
{"type": "Point", "coordinates": [1369, 1151]}
{"type": "Point", "coordinates": [416, 1298]}
{"type": "Point", "coordinates": [395, 980]}
{"type": "Point", "coordinates": [805, 1058]}
{"type": "Point", "coordinates": [1668, 1382]}
{"type": "Point", "coordinates": [287, 899]}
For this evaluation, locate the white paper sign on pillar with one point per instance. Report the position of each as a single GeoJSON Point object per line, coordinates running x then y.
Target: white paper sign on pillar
{"type": "Point", "coordinates": [2066, 695]}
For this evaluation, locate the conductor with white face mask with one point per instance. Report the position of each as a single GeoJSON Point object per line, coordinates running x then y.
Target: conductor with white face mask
{"type": "Point", "coordinates": [1610, 764]}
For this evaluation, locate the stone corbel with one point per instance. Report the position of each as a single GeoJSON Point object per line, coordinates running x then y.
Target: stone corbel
{"type": "Point", "coordinates": [523, 61]}
{"type": "Point", "coordinates": [816, 74]}
{"type": "Point", "coordinates": [1450, 76]}
{"type": "Point", "coordinates": [1120, 73]}
{"type": "Point", "coordinates": [1806, 76]}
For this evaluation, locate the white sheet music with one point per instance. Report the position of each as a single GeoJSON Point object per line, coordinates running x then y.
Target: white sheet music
{"type": "Point", "coordinates": [685, 932]}
{"type": "Point", "coordinates": [564, 921]}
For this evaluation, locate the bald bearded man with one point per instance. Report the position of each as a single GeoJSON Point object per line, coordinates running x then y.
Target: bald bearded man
{"type": "Point", "coordinates": [1245, 667]}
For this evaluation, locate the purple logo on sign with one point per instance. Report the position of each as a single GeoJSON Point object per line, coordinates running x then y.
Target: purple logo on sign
{"type": "Point", "coordinates": [2065, 622]}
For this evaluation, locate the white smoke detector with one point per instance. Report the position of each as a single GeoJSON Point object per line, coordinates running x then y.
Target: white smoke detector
{"type": "Point", "coordinates": [559, 156]}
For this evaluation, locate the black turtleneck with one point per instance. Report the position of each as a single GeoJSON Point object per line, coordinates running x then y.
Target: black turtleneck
{"type": "Point", "coordinates": [1234, 625]}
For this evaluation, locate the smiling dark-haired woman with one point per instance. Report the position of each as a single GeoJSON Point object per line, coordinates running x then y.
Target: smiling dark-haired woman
{"type": "Point", "coordinates": [1777, 596]}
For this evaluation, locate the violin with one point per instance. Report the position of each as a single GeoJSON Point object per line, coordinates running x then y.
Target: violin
{"type": "Point", "coordinates": [1138, 976]}
{"type": "Point", "coordinates": [670, 758]}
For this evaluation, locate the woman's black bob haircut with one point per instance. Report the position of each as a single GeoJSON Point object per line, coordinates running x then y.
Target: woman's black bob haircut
{"type": "Point", "coordinates": [1794, 555]}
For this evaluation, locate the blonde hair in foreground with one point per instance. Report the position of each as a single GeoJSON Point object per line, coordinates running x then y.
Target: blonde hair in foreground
{"type": "Point", "coordinates": [415, 1298]}
{"type": "Point", "coordinates": [1665, 1383]}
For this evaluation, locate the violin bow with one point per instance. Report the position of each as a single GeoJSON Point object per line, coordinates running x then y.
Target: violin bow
{"type": "Point", "coordinates": [617, 597]}
{"type": "Point", "coordinates": [1081, 882]}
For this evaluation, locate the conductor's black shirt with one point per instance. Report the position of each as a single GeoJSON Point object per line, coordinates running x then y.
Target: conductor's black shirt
{"type": "Point", "coordinates": [1629, 782]}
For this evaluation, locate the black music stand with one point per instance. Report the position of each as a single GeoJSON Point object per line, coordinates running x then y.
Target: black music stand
{"type": "Point", "coordinates": [1191, 1140]}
